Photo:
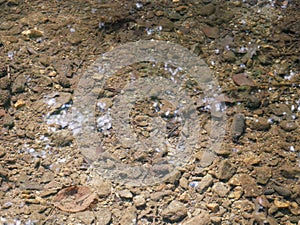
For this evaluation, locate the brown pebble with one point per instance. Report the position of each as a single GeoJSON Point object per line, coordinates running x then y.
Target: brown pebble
{"type": "Point", "coordinates": [283, 191]}
{"type": "Point", "coordinates": [288, 125]}
{"type": "Point", "coordinates": [238, 126]}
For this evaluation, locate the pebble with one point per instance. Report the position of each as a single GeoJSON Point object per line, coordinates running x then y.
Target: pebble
{"type": "Point", "coordinates": [167, 25]}
{"type": "Point", "coordinates": [206, 10]}
{"type": "Point", "coordinates": [290, 171]}
{"type": "Point", "coordinates": [175, 211]}
{"type": "Point", "coordinates": [251, 158]}
{"type": "Point", "coordinates": [283, 191]}
{"type": "Point", "coordinates": [288, 125]}
{"type": "Point", "coordinates": [249, 185]}
{"type": "Point", "coordinates": [103, 187]}
{"type": "Point", "coordinates": [44, 60]}
{"type": "Point", "coordinates": [63, 81]}
{"type": "Point", "coordinates": [263, 174]}
{"type": "Point", "coordinates": [2, 153]}
{"type": "Point", "coordinates": [4, 97]}
{"type": "Point", "coordinates": [202, 219]}
{"type": "Point", "coordinates": [183, 182]}
{"type": "Point", "coordinates": [263, 201]}
{"type": "Point", "coordinates": [243, 205]}
{"type": "Point", "coordinates": [280, 109]}
{"type": "Point", "coordinates": [159, 195]}
{"type": "Point", "coordinates": [252, 102]}
{"type": "Point", "coordinates": [4, 83]}
{"type": "Point", "coordinates": [33, 33]}
{"type": "Point", "coordinates": [103, 216]}
{"type": "Point", "coordinates": [225, 170]}
{"type": "Point", "coordinates": [260, 124]}
{"type": "Point", "coordinates": [19, 104]}
{"type": "Point", "coordinates": [229, 56]}
{"type": "Point", "coordinates": [294, 208]}
{"type": "Point", "coordinates": [243, 79]}
{"type": "Point", "coordinates": [206, 181]}
{"type": "Point", "coordinates": [281, 204]}
{"type": "Point", "coordinates": [211, 32]}
{"type": "Point", "coordinates": [238, 126]}
{"type": "Point", "coordinates": [159, 13]}
{"type": "Point", "coordinates": [139, 200]}
{"type": "Point", "coordinates": [221, 189]}
{"type": "Point", "coordinates": [207, 158]}
{"type": "Point", "coordinates": [259, 217]}
{"type": "Point", "coordinates": [86, 217]}
{"type": "Point", "coordinates": [2, 113]}
{"type": "Point", "coordinates": [129, 216]}
{"type": "Point", "coordinates": [62, 138]}
{"type": "Point", "coordinates": [214, 207]}
{"type": "Point", "coordinates": [8, 121]}
{"type": "Point", "coordinates": [173, 177]}
{"type": "Point", "coordinates": [75, 38]}
{"type": "Point", "coordinates": [236, 193]}
{"type": "Point", "coordinates": [125, 194]}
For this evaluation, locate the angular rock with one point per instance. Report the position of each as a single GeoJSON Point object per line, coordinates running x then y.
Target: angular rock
{"type": "Point", "coordinates": [207, 158]}
{"type": "Point", "coordinates": [18, 85]}
{"type": "Point", "coordinates": [288, 125]}
{"type": "Point", "coordinates": [202, 219]}
{"type": "Point", "coordinates": [243, 205]}
{"type": "Point", "coordinates": [204, 183]}
{"type": "Point", "coordinates": [229, 56]}
{"type": "Point", "coordinates": [243, 79]}
{"type": "Point", "coordinates": [263, 174]}
{"type": "Point", "coordinates": [225, 170]}
{"type": "Point", "coordinates": [62, 138]}
{"type": "Point", "coordinates": [183, 182]}
{"type": "Point", "coordinates": [125, 194]}
{"type": "Point", "coordinates": [103, 216]}
{"type": "Point", "coordinates": [280, 109]}
{"type": "Point", "coordinates": [175, 211]}
{"type": "Point", "coordinates": [214, 207]}
{"type": "Point", "coordinates": [211, 32]}
{"type": "Point", "coordinates": [86, 217]}
{"type": "Point", "coordinates": [129, 216]}
{"type": "Point", "coordinates": [4, 83]}
{"type": "Point", "coordinates": [283, 191]}
{"type": "Point", "coordinates": [63, 81]}
{"type": "Point", "coordinates": [139, 200]}
{"type": "Point", "coordinates": [281, 204]}
{"type": "Point", "coordinates": [251, 158]}
{"type": "Point", "coordinates": [238, 126]}
{"type": "Point", "coordinates": [4, 97]}
{"type": "Point", "coordinates": [260, 124]}
{"type": "Point", "coordinates": [290, 171]}
{"type": "Point", "coordinates": [166, 24]}
{"type": "Point", "coordinates": [252, 102]}
{"type": "Point", "coordinates": [221, 189]}
{"type": "Point", "coordinates": [249, 185]}
{"type": "Point", "coordinates": [206, 10]}
{"type": "Point", "coordinates": [160, 194]}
